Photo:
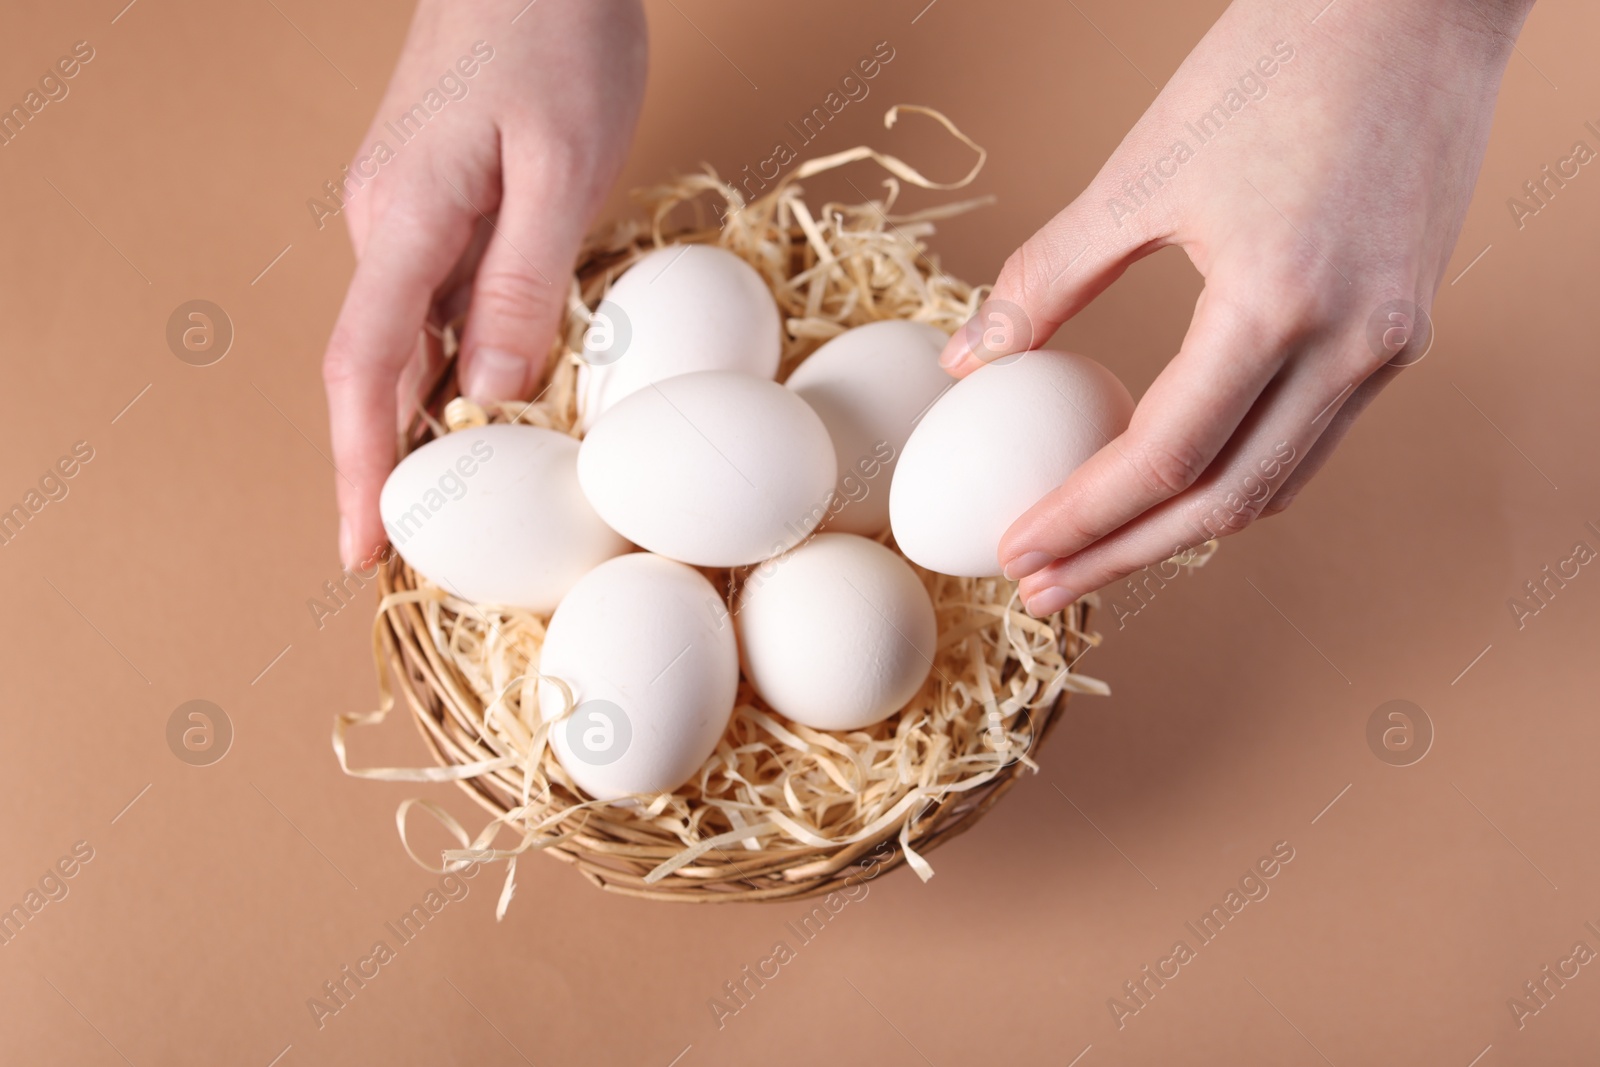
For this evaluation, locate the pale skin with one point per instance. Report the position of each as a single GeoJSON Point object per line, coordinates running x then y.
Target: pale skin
{"type": "Point", "coordinates": [1341, 189]}
{"type": "Point", "coordinates": [535, 145]}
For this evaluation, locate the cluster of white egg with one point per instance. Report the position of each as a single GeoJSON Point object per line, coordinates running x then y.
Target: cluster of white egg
{"type": "Point", "coordinates": [693, 454]}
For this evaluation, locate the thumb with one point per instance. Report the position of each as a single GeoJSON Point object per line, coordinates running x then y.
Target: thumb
{"type": "Point", "coordinates": [1054, 275]}
{"type": "Point", "coordinates": [520, 291]}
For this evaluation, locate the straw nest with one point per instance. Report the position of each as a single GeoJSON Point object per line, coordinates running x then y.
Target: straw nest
{"type": "Point", "coordinates": [779, 811]}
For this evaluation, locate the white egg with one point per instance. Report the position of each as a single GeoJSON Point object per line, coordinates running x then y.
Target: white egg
{"type": "Point", "coordinates": [871, 385]}
{"type": "Point", "coordinates": [495, 515]}
{"type": "Point", "coordinates": [647, 651]}
{"type": "Point", "coordinates": [991, 448]}
{"type": "Point", "coordinates": [717, 469]}
{"type": "Point", "coordinates": [837, 634]}
{"type": "Point", "coordinates": [679, 309]}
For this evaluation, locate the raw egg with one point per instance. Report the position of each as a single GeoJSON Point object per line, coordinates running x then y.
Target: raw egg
{"type": "Point", "coordinates": [679, 309]}
{"type": "Point", "coordinates": [644, 650]}
{"type": "Point", "coordinates": [716, 468]}
{"type": "Point", "coordinates": [495, 515]}
{"type": "Point", "coordinates": [870, 385]}
{"type": "Point", "coordinates": [991, 447]}
{"type": "Point", "coordinates": [837, 634]}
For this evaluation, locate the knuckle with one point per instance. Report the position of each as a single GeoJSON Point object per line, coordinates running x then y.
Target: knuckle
{"type": "Point", "coordinates": [1292, 261]}
{"type": "Point", "coordinates": [1297, 311]}
{"type": "Point", "coordinates": [340, 366]}
{"type": "Point", "coordinates": [1170, 466]}
{"type": "Point", "coordinates": [562, 153]}
{"type": "Point", "coordinates": [569, 155]}
{"type": "Point", "coordinates": [515, 293]}
{"type": "Point", "coordinates": [1228, 516]}
{"type": "Point", "coordinates": [1357, 361]}
{"type": "Point", "coordinates": [1295, 296]}
{"type": "Point", "coordinates": [389, 207]}
{"type": "Point", "coordinates": [1029, 274]}
{"type": "Point", "coordinates": [1014, 272]}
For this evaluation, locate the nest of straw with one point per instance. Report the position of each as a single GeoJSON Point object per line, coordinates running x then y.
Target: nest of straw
{"type": "Point", "coordinates": [779, 811]}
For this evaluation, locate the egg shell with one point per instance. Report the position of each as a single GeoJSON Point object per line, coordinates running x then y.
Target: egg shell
{"type": "Point", "coordinates": [648, 642]}
{"type": "Point", "coordinates": [990, 448]}
{"type": "Point", "coordinates": [837, 634]}
{"type": "Point", "coordinates": [684, 308]}
{"type": "Point", "coordinates": [495, 515]}
{"type": "Point", "coordinates": [870, 385]}
{"type": "Point", "coordinates": [716, 468]}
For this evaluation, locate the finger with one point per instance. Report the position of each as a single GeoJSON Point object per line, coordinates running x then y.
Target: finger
{"type": "Point", "coordinates": [453, 296]}
{"type": "Point", "coordinates": [361, 181]}
{"type": "Point", "coordinates": [409, 250]}
{"type": "Point", "coordinates": [1051, 278]}
{"type": "Point", "coordinates": [1189, 413]}
{"type": "Point", "coordinates": [1276, 438]}
{"type": "Point", "coordinates": [358, 223]}
{"type": "Point", "coordinates": [420, 374]}
{"type": "Point", "coordinates": [1339, 419]}
{"type": "Point", "coordinates": [520, 293]}
{"type": "Point", "coordinates": [422, 371]}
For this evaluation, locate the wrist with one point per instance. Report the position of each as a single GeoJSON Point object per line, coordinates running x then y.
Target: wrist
{"type": "Point", "coordinates": [1497, 20]}
{"type": "Point", "coordinates": [1471, 40]}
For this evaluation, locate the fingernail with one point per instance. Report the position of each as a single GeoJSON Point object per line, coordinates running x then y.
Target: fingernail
{"type": "Point", "coordinates": [1026, 564]}
{"type": "Point", "coordinates": [1049, 601]}
{"type": "Point", "coordinates": [347, 548]}
{"type": "Point", "coordinates": [495, 374]}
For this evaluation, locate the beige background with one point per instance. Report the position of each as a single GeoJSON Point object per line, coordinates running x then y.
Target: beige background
{"type": "Point", "coordinates": [180, 565]}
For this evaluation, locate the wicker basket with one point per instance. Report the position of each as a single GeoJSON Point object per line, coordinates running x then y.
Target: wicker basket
{"type": "Point", "coordinates": [616, 851]}
{"type": "Point", "coordinates": [1001, 682]}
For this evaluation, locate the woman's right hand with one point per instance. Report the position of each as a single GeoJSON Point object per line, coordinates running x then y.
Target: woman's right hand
{"type": "Point", "coordinates": [497, 180]}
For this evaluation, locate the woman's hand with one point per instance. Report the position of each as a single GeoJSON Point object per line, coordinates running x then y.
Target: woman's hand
{"type": "Point", "coordinates": [492, 176]}
{"type": "Point", "coordinates": [1316, 173]}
